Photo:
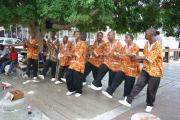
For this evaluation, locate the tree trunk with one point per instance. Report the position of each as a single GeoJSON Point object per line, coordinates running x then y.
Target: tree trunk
{"type": "Point", "coordinates": [37, 31]}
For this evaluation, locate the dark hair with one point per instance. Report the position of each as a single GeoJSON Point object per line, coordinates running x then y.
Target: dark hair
{"type": "Point", "coordinates": [1, 47]}
{"type": "Point", "coordinates": [112, 32]}
{"type": "Point", "coordinates": [76, 32]}
{"type": "Point", "coordinates": [99, 33]}
{"type": "Point", "coordinates": [53, 33]}
{"type": "Point", "coordinates": [83, 36]}
{"type": "Point", "coordinates": [12, 48]}
{"type": "Point", "coordinates": [66, 37]}
{"type": "Point", "coordinates": [157, 32]}
{"type": "Point", "coordinates": [152, 31]}
{"type": "Point", "coordinates": [131, 36]}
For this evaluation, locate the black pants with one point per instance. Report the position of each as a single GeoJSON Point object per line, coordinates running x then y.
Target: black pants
{"type": "Point", "coordinates": [103, 69]}
{"type": "Point", "coordinates": [62, 72]}
{"type": "Point", "coordinates": [74, 81]}
{"type": "Point", "coordinates": [2, 60]}
{"type": "Point", "coordinates": [52, 64]}
{"type": "Point", "coordinates": [88, 68]}
{"type": "Point", "coordinates": [118, 79]}
{"type": "Point", "coordinates": [32, 64]}
{"type": "Point", "coordinates": [153, 84]}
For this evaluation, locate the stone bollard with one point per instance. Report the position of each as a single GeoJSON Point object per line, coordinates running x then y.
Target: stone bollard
{"type": "Point", "coordinates": [167, 55]}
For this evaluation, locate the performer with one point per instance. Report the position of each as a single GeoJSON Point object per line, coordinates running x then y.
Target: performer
{"type": "Point", "coordinates": [51, 57]}
{"type": "Point", "coordinates": [96, 57]}
{"type": "Point", "coordinates": [111, 62]}
{"type": "Point", "coordinates": [129, 70]}
{"type": "Point", "coordinates": [64, 58]}
{"type": "Point", "coordinates": [32, 56]}
{"type": "Point", "coordinates": [151, 73]}
{"type": "Point", "coordinates": [75, 71]}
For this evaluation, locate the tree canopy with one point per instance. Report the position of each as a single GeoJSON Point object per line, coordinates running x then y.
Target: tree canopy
{"type": "Point", "coordinates": [131, 16]}
{"type": "Point", "coordinates": [170, 15]}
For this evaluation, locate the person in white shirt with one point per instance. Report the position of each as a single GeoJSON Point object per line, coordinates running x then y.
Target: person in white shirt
{"type": "Point", "coordinates": [4, 54]}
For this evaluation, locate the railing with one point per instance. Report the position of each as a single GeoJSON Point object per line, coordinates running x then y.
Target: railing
{"type": "Point", "coordinates": [14, 45]}
{"type": "Point", "coordinates": [175, 56]}
{"type": "Point", "coordinates": [167, 56]}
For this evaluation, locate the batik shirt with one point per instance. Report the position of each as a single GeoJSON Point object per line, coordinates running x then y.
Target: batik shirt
{"type": "Point", "coordinates": [64, 49]}
{"type": "Point", "coordinates": [112, 62]}
{"type": "Point", "coordinates": [53, 49]}
{"type": "Point", "coordinates": [33, 52]}
{"type": "Point", "coordinates": [153, 64]}
{"type": "Point", "coordinates": [79, 57]}
{"type": "Point", "coordinates": [97, 57]}
{"type": "Point", "coordinates": [131, 68]}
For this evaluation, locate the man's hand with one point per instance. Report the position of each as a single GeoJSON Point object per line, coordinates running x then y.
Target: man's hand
{"type": "Point", "coordinates": [117, 56]}
{"type": "Point", "coordinates": [106, 55]}
{"type": "Point", "coordinates": [95, 53]}
{"type": "Point", "coordinates": [130, 55]}
{"type": "Point", "coordinates": [137, 58]}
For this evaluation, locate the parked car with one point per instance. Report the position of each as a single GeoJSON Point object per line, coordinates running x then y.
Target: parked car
{"type": "Point", "coordinates": [11, 41]}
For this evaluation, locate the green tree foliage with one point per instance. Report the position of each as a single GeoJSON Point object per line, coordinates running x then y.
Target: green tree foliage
{"type": "Point", "coordinates": [171, 17]}
{"type": "Point", "coordinates": [92, 15]}
{"type": "Point", "coordinates": [136, 15]}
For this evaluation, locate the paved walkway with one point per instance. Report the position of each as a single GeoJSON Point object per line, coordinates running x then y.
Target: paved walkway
{"type": "Point", "coordinates": [167, 105]}
{"type": "Point", "coordinates": [53, 102]}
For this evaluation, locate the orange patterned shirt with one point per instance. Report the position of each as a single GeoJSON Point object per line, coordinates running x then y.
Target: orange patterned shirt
{"type": "Point", "coordinates": [110, 60]}
{"type": "Point", "coordinates": [153, 64]}
{"type": "Point", "coordinates": [53, 49]}
{"type": "Point", "coordinates": [97, 57]}
{"type": "Point", "coordinates": [64, 49]}
{"type": "Point", "coordinates": [33, 52]}
{"type": "Point", "coordinates": [131, 68]}
{"type": "Point", "coordinates": [79, 58]}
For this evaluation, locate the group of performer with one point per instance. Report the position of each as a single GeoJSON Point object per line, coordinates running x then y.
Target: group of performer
{"type": "Point", "coordinates": [76, 60]}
